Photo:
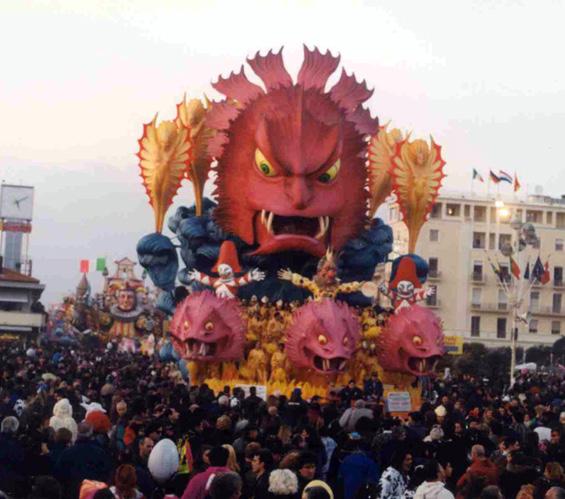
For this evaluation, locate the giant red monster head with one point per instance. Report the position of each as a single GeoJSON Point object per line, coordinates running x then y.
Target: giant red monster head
{"type": "Point", "coordinates": [291, 156]}
{"type": "Point", "coordinates": [206, 327]}
{"type": "Point", "coordinates": [323, 336]}
{"type": "Point", "coordinates": [411, 342]}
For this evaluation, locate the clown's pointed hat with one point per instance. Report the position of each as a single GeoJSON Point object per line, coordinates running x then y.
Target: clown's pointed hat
{"type": "Point", "coordinates": [406, 271]}
{"type": "Point", "coordinates": [228, 256]}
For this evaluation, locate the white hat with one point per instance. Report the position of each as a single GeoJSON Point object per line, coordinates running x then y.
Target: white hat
{"type": "Point", "coordinates": [163, 461]}
{"type": "Point", "coordinates": [440, 411]}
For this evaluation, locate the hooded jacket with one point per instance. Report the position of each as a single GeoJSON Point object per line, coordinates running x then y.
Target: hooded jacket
{"type": "Point", "coordinates": [63, 417]}
{"type": "Point", "coordinates": [432, 490]}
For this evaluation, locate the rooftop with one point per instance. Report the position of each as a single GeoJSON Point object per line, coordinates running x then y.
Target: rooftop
{"type": "Point", "coordinates": [509, 198]}
{"type": "Point", "coordinates": [9, 275]}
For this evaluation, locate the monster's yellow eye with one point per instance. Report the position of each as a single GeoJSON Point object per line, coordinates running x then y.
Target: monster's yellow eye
{"type": "Point", "coordinates": [186, 325]}
{"type": "Point", "coordinates": [322, 339]}
{"type": "Point", "coordinates": [346, 341]}
{"type": "Point", "coordinates": [417, 340]}
{"type": "Point", "coordinates": [209, 326]}
{"type": "Point", "coordinates": [263, 164]}
{"type": "Point", "coordinates": [331, 173]}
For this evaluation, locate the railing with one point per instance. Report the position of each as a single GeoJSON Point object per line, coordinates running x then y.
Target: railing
{"type": "Point", "coordinates": [559, 283]}
{"type": "Point", "coordinates": [548, 310]}
{"type": "Point", "coordinates": [490, 307]}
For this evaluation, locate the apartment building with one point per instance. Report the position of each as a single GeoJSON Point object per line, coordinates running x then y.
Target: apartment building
{"type": "Point", "coordinates": [462, 233]}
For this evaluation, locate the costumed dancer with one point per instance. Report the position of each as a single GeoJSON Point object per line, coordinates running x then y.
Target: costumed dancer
{"type": "Point", "coordinates": [226, 267]}
{"type": "Point", "coordinates": [405, 289]}
{"type": "Point", "coordinates": [325, 283]}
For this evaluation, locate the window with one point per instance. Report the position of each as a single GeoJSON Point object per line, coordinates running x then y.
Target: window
{"type": "Point", "coordinates": [533, 326]}
{"type": "Point", "coordinates": [556, 309]}
{"type": "Point", "coordinates": [436, 211]}
{"type": "Point", "coordinates": [559, 245]}
{"type": "Point", "coordinates": [479, 240]}
{"type": "Point", "coordinates": [475, 325]}
{"type": "Point", "coordinates": [431, 300]}
{"type": "Point", "coordinates": [502, 300]}
{"type": "Point", "coordinates": [504, 272]}
{"type": "Point", "coordinates": [555, 327]}
{"type": "Point", "coordinates": [534, 301]}
{"type": "Point", "coordinates": [504, 240]}
{"type": "Point", "coordinates": [477, 271]}
{"type": "Point", "coordinates": [534, 216]}
{"type": "Point", "coordinates": [501, 327]}
{"type": "Point", "coordinates": [476, 297]}
{"type": "Point", "coordinates": [480, 214]}
{"type": "Point", "coordinates": [434, 235]}
{"type": "Point", "coordinates": [558, 276]}
{"type": "Point", "coordinates": [433, 267]}
{"type": "Point", "coordinates": [453, 210]}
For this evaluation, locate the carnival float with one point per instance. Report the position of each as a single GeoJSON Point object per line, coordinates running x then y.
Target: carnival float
{"type": "Point", "coordinates": [122, 314]}
{"type": "Point", "coordinates": [284, 277]}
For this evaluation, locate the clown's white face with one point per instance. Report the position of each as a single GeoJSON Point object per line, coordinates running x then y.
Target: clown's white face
{"type": "Point", "coordinates": [225, 271]}
{"type": "Point", "coordinates": [405, 289]}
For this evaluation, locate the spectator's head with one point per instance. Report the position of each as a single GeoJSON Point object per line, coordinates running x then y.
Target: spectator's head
{"type": "Point", "coordinates": [359, 404]}
{"type": "Point", "coordinates": [46, 487]}
{"type": "Point", "coordinates": [125, 480]}
{"type": "Point", "coordinates": [555, 493]}
{"type": "Point", "coordinates": [145, 447]}
{"type": "Point", "coordinates": [232, 459]}
{"type": "Point", "coordinates": [307, 465]}
{"type": "Point", "coordinates": [262, 461]}
{"type": "Point", "coordinates": [477, 452]}
{"type": "Point", "coordinates": [402, 460]}
{"type": "Point", "coordinates": [491, 492]}
{"type": "Point", "coordinates": [432, 471]}
{"type": "Point", "coordinates": [553, 471]}
{"type": "Point", "coordinates": [283, 483]}
{"type": "Point", "coordinates": [121, 408]}
{"type": "Point", "coordinates": [10, 424]}
{"type": "Point", "coordinates": [252, 390]}
{"type": "Point", "coordinates": [84, 431]}
{"type": "Point", "coordinates": [555, 437]}
{"type": "Point", "coordinates": [226, 486]}
{"type": "Point", "coordinates": [317, 489]}
{"type": "Point", "coordinates": [219, 456]}
{"type": "Point", "coordinates": [223, 423]}
{"type": "Point", "coordinates": [509, 444]}
{"type": "Point", "coordinates": [64, 437]}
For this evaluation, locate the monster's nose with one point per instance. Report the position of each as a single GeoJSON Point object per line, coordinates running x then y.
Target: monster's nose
{"type": "Point", "coordinates": [299, 192]}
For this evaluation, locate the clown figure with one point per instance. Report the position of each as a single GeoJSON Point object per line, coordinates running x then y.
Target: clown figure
{"type": "Point", "coordinates": [227, 266]}
{"type": "Point", "coordinates": [405, 289]}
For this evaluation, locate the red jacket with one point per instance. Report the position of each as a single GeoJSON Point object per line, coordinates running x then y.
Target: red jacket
{"type": "Point", "coordinates": [480, 468]}
{"type": "Point", "coordinates": [198, 487]}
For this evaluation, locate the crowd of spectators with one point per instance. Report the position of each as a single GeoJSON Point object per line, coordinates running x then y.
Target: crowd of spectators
{"type": "Point", "coordinates": [92, 424]}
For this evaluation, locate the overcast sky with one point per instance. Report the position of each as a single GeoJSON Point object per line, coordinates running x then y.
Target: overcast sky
{"type": "Point", "coordinates": [78, 79]}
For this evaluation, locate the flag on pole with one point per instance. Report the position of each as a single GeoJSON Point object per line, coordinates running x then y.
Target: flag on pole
{"type": "Point", "coordinates": [538, 270]}
{"type": "Point", "coordinates": [493, 177]}
{"type": "Point", "coordinates": [517, 184]}
{"type": "Point", "coordinates": [546, 277]}
{"type": "Point", "coordinates": [514, 268]}
{"type": "Point", "coordinates": [527, 272]}
{"type": "Point", "coordinates": [504, 177]}
{"type": "Point", "coordinates": [478, 176]}
{"type": "Point", "coordinates": [84, 266]}
{"type": "Point", "coordinates": [100, 264]}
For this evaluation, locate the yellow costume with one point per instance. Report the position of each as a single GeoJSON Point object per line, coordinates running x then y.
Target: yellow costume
{"type": "Point", "coordinates": [328, 291]}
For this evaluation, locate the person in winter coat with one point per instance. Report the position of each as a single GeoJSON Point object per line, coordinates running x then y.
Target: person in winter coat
{"type": "Point", "coordinates": [433, 486]}
{"type": "Point", "coordinates": [394, 480]}
{"type": "Point", "coordinates": [11, 455]}
{"type": "Point", "coordinates": [357, 469]}
{"type": "Point", "coordinates": [350, 417]}
{"type": "Point", "coordinates": [63, 417]}
{"type": "Point", "coordinates": [481, 467]}
{"type": "Point", "coordinates": [199, 485]}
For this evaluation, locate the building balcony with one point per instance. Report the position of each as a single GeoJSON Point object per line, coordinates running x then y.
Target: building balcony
{"type": "Point", "coordinates": [490, 307]}
{"type": "Point", "coordinates": [478, 278]}
{"type": "Point", "coordinates": [559, 284]}
{"type": "Point", "coordinates": [548, 310]}
{"type": "Point", "coordinates": [18, 320]}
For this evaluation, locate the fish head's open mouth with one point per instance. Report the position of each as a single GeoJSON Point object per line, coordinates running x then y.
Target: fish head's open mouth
{"type": "Point", "coordinates": [422, 366]}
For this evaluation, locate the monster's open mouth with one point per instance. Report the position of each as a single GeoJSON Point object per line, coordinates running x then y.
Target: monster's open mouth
{"type": "Point", "coordinates": [329, 365]}
{"type": "Point", "coordinates": [423, 366]}
{"type": "Point", "coordinates": [200, 349]}
{"type": "Point", "coordinates": [282, 233]}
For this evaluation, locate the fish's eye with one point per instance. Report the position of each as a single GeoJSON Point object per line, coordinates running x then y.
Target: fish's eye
{"type": "Point", "coordinates": [186, 325]}
{"type": "Point", "coordinates": [322, 340]}
{"type": "Point", "coordinates": [417, 340]}
{"type": "Point", "coordinates": [346, 340]}
{"type": "Point", "coordinates": [263, 164]}
{"type": "Point", "coordinates": [209, 326]}
{"type": "Point", "coordinates": [331, 173]}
